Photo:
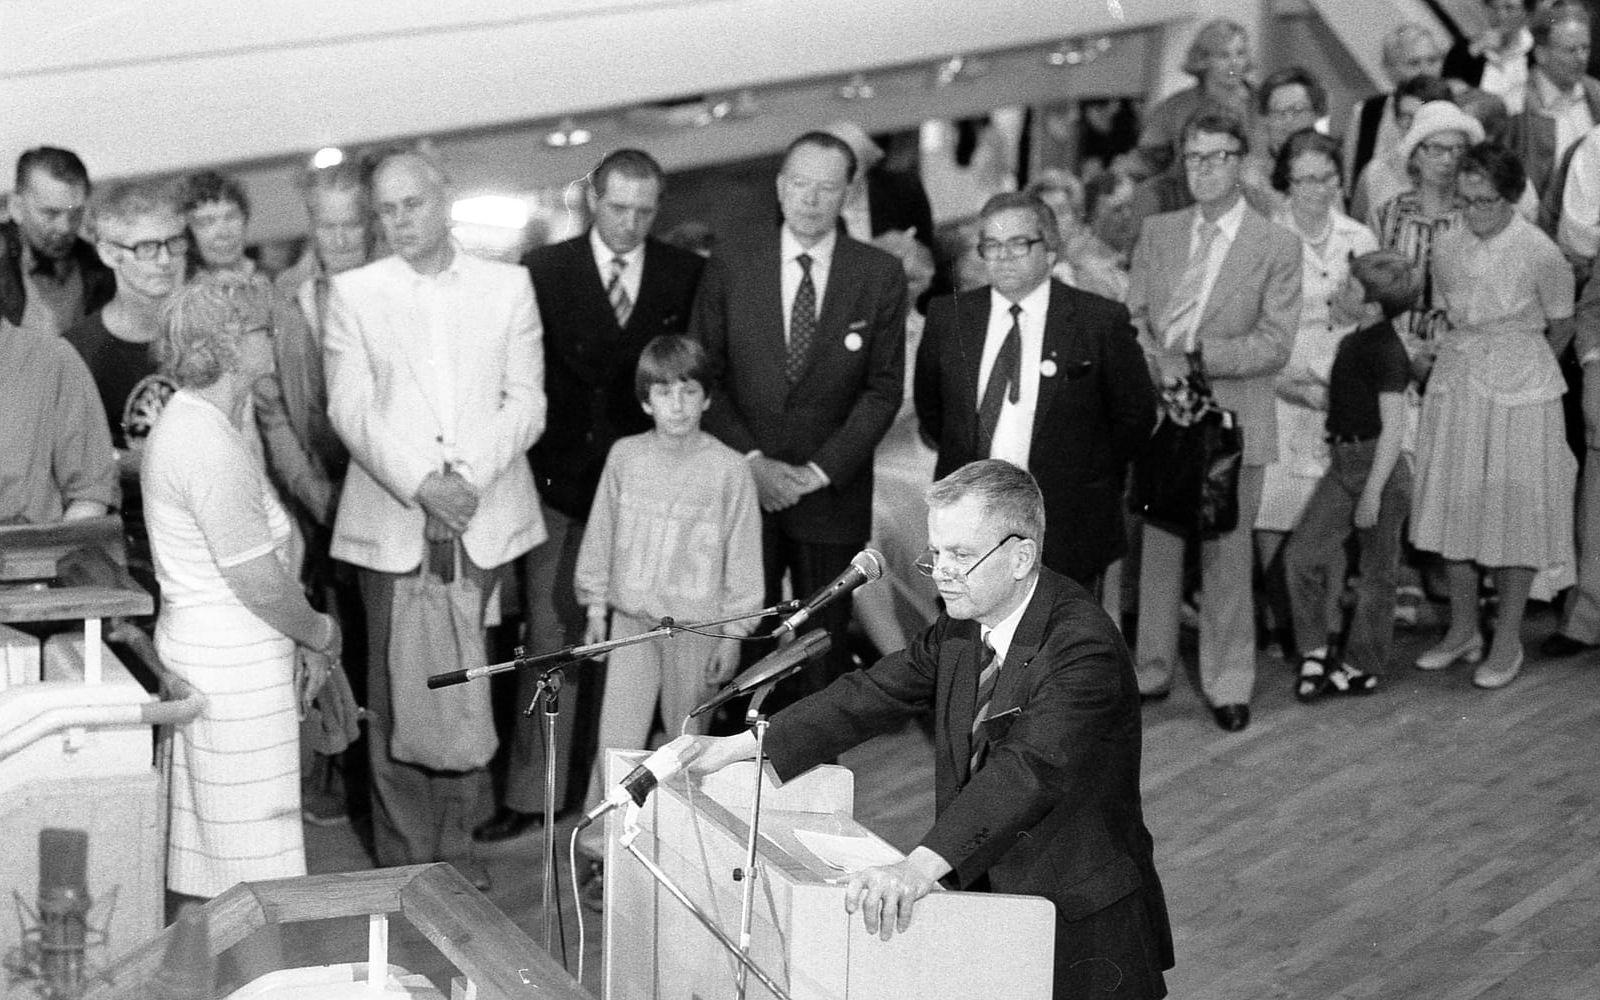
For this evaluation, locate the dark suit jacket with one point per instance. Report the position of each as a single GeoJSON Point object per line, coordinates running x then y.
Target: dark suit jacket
{"type": "Point", "coordinates": [1095, 413]}
{"type": "Point", "coordinates": [589, 361]}
{"type": "Point", "coordinates": [846, 398]}
{"type": "Point", "coordinates": [99, 284]}
{"type": "Point", "coordinates": [1532, 134]}
{"type": "Point", "coordinates": [1053, 809]}
{"type": "Point", "coordinates": [898, 201]}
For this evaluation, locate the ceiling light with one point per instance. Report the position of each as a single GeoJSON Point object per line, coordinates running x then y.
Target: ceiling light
{"type": "Point", "coordinates": [327, 156]}
{"type": "Point", "coordinates": [567, 133]}
{"type": "Point", "coordinates": [857, 88]}
{"type": "Point", "coordinates": [497, 210]}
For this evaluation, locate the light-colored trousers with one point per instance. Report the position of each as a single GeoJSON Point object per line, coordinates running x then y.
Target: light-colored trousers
{"type": "Point", "coordinates": [1227, 605]}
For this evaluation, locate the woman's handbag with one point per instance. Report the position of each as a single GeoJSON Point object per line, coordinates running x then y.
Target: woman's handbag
{"type": "Point", "coordinates": [437, 625]}
{"type": "Point", "coordinates": [1187, 480]}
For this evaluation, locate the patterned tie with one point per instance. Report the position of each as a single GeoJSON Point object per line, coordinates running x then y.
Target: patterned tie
{"type": "Point", "coordinates": [988, 671]}
{"type": "Point", "coordinates": [620, 303]}
{"type": "Point", "coordinates": [1005, 382]}
{"type": "Point", "coordinates": [802, 321]}
{"type": "Point", "coordinates": [1184, 308]}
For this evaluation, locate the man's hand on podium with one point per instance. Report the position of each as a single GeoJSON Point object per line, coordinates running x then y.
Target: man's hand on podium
{"type": "Point", "coordinates": [886, 895]}
{"type": "Point", "coordinates": [708, 754]}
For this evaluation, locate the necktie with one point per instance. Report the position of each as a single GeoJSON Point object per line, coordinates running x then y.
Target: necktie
{"type": "Point", "coordinates": [620, 303]}
{"type": "Point", "coordinates": [802, 321]}
{"type": "Point", "coordinates": [1005, 381]}
{"type": "Point", "coordinates": [1183, 311]}
{"type": "Point", "coordinates": [988, 671]}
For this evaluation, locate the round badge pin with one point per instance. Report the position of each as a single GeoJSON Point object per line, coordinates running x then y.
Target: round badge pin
{"type": "Point", "coordinates": [852, 342]}
{"type": "Point", "coordinates": [1047, 368]}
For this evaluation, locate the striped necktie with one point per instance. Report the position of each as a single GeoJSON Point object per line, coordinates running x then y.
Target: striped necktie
{"type": "Point", "coordinates": [1183, 310]}
{"type": "Point", "coordinates": [988, 672]}
{"type": "Point", "coordinates": [802, 321]}
{"type": "Point", "coordinates": [617, 293]}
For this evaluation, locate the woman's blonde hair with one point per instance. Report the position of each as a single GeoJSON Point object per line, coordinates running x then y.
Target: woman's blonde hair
{"type": "Point", "coordinates": [203, 323]}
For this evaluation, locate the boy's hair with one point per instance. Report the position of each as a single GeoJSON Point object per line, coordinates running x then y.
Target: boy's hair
{"type": "Point", "coordinates": [1389, 279]}
{"type": "Point", "coordinates": [670, 358]}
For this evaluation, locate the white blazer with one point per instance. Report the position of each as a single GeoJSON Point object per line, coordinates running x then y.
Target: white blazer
{"type": "Point", "coordinates": [403, 413]}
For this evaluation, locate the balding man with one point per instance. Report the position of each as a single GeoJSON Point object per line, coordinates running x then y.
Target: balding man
{"type": "Point", "coordinates": [435, 385]}
{"type": "Point", "coordinates": [1376, 123]}
{"type": "Point", "coordinates": [49, 277]}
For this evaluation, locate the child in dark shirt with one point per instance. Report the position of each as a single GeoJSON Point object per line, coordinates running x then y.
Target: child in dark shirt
{"type": "Point", "coordinates": [1367, 487]}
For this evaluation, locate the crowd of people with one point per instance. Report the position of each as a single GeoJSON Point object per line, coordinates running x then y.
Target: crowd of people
{"type": "Point", "coordinates": [370, 455]}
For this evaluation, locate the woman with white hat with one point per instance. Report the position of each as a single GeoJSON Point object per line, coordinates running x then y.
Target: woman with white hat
{"type": "Point", "coordinates": [1411, 221]}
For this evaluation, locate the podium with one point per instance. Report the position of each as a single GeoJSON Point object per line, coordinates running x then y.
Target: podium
{"type": "Point", "coordinates": [960, 946]}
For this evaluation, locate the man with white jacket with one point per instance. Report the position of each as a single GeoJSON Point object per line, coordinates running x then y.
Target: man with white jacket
{"type": "Point", "coordinates": [435, 384]}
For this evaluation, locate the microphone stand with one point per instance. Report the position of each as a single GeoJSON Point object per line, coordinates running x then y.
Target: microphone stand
{"type": "Point", "coordinates": [547, 693]}
{"type": "Point", "coordinates": [758, 722]}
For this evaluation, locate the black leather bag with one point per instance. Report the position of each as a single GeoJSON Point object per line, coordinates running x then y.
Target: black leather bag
{"type": "Point", "coordinates": [1187, 480]}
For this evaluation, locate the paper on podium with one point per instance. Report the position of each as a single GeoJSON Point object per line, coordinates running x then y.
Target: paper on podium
{"type": "Point", "coordinates": [848, 854]}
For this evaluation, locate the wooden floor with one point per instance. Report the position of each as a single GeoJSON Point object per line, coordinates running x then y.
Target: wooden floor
{"type": "Point", "coordinates": [1430, 841]}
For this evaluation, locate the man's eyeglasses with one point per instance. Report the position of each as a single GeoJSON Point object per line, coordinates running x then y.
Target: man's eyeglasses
{"type": "Point", "coordinates": [1012, 249]}
{"type": "Point", "coordinates": [1485, 201]}
{"type": "Point", "coordinates": [928, 563]}
{"type": "Point", "coordinates": [1441, 148]}
{"type": "Point", "coordinates": [148, 250]}
{"type": "Point", "coordinates": [1215, 158]}
{"type": "Point", "coordinates": [1315, 180]}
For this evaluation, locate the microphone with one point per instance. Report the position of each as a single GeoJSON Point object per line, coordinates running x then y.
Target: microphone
{"type": "Point", "coordinates": [63, 908]}
{"type": "Point", "coordinates": [774, 666]}
{"type": "Point", "coordinates": [866, 566]}
{"type": "Point", "coordinates": [642, 780]}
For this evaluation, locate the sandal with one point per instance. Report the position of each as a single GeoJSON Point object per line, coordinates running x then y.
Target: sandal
{"type": "Point", "coordinates": [1345, 679]}
{"type": "Point", "coordinates": [1313, 678]}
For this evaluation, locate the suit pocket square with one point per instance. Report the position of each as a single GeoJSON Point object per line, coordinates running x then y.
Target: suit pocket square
{"type": "Point", "coordinates": [995, 727]}
{"type": "Point", "coordinates": [1076, 369]}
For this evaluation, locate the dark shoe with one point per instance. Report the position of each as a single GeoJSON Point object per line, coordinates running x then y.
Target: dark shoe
{"type": "Point", "coordinates": [505, 824]}
{"type": "Point", "coordinates": [592, 890]}
{"type": "Point", "coordinates": [1311, 682]}
{"type": "Point", "coordinates": [1345, 679]}
{"type": "Point", "coordinates": [1559, 645]}
{"type": "Point", "coordinates": [1232, 717]}
{"type": "Point", "coordinates": [1158, 695]}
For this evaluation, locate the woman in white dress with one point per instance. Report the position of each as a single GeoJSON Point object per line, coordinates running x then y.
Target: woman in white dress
{"type": "Point", "coordinates": [1308, 170]}
{"type": "Point", "coordinates": [1495, 478]}
{"type": "Point", "coordinates": [232, 612]}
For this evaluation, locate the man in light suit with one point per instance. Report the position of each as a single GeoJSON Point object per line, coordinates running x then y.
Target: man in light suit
{"type": "Point", "coordinates": [1219, 280]}
{"type": "Point", "coordinates": [805, 330]}
{"type": "Point", "coordinates": [602, 295]}
{"type": "Point", "coordinates": [435, 386]}
{"type": "Point", "coordinates": [1082, 406]}
{"type": "Point", "coordinates": [1036, 744]}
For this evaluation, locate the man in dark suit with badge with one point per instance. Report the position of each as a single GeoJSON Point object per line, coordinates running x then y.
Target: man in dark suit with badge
{"type": "Point", "coordinates": [601, 296]}
{"type": "Point", "coordinates": [805, 330]}
{"type": "Point", "coordinates": [1043, 375]}
{"type": "Point", "coordinates": [1036, 743]}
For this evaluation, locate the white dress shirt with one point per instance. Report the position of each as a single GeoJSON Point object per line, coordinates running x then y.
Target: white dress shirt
{"type": "Point", "coordinates": [632, 273]}
{"type": "Point", "coordinates": [1505, 74]}
{"type": "Point", "coordinates": [821, 259]}
{"type": "Point", "coordinates": [1579, 232]}
{"type": "Point", "coordinates": [999, 638]}
{"type": "Point", "coordinates": [1013, 432]}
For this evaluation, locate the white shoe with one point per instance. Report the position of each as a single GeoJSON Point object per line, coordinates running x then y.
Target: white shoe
{"type": "Point", "coordinates": [1490, 679]}
{"type": "Point", "coordinates": [1441, 656]}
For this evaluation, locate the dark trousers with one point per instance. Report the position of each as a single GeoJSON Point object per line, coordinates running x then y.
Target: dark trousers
{"type": "Point", "coordinates": [419, 815]}
{"type": "Point", "coordinates": [554, 620]}
{"type": "Point", "coordinates": [1318, 543]}
{"type": "Point", "coordinates": [811, 566]}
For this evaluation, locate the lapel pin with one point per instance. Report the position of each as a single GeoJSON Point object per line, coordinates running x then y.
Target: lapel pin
{"type": "Point", "coordinates": [852, 341]}
{"type": "Point", "coordinates": [1047, 368]}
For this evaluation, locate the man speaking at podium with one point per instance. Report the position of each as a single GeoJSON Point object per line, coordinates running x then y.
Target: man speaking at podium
{"type": "Point", "coordinates": [1036, 742]}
